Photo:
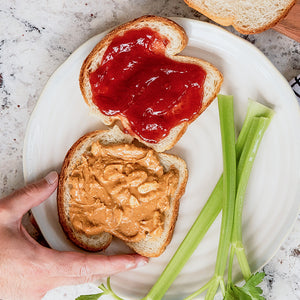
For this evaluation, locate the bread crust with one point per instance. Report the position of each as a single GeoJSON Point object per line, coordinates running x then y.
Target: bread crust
{"type": "Point", "coordinates": [61, 199]}
{"type": "Point", "coordinates": [167, 142]}
{"type": "Point", "coordinates": [231, 21]}
{"type": "Point", "coordinates": [63, 218]}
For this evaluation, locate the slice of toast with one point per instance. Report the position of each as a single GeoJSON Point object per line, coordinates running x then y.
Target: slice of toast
{"type": "Point", "coordinates": [151, 246]}
{"type": "Point", "coordinates": [177, 42]}
{"type": "Point", "coordinates": [246, 16]}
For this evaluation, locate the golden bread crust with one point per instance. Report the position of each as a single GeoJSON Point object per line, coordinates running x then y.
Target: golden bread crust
{"type": "Point", "coordinates": [232, 21]}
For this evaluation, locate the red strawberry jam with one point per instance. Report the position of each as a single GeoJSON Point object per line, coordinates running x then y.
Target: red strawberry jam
{"type": "Point", "coordinates": [136, 80]}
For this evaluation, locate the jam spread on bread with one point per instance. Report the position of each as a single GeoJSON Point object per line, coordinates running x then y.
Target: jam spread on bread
{"type": "Point", "coordinates": [138, 81]}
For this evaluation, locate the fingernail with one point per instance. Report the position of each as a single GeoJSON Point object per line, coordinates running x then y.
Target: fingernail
{"type": "Point", "coordinates": [137, 261]}
{"type": "Point", "coordinates": [142, 263]}
{"type": "Point", "coordinates": [142, 260]}
{"type": "Point", "coordinates": [51, 178]}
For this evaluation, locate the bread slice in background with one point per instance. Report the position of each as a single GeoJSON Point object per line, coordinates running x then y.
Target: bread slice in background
{"type": "Point", "coordinates": [178, 40]}
{"type": "Point", "coordinates": [151, 246]}
{"type": "Point", "coordinates": [246, 16]}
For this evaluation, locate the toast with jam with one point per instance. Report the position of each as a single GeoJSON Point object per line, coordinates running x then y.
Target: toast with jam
{"type": "Point", "coordinates": [135, 78]}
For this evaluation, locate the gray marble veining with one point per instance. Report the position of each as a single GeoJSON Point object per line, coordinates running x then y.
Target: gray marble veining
{"type": "Point", "coordinates": [37, 36]}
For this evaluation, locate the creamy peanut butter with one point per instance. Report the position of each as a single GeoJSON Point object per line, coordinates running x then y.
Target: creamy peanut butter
{"type": "Point", "coordinates": [120, 189]}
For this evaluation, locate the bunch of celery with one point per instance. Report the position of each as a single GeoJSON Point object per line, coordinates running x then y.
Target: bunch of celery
{"type": "Point", "coordinates": [228, 196]}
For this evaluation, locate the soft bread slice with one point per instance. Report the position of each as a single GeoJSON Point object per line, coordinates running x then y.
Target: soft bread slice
{"type": "Point", "coordinates": [246, 16]}
{"type": "Point", "coordinates": [150, 247]}
{"type": "Point", "coordinates": [178, 41]}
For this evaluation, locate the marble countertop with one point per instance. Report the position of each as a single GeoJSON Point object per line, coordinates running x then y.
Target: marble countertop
{"type": "Point", "coordinates": [37, 36]}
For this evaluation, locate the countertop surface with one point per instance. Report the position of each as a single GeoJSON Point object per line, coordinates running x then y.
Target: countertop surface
{"type": "Point", "coordinates": [37, 37]}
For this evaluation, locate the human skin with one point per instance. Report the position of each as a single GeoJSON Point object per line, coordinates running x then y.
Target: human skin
{"type": "Point", "coordinates": [27, 269]}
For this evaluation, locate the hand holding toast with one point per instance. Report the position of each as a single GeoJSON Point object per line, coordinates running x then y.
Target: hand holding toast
{"type": "Point", "coordinates": [29, 270]}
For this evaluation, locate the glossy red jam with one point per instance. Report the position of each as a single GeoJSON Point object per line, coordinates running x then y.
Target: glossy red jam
{"type": "Point", "coordinates": [154, 92]}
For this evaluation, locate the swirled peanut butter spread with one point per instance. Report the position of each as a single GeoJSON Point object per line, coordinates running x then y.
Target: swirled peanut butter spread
{"type": "Point", "coordinates": [120, 189]}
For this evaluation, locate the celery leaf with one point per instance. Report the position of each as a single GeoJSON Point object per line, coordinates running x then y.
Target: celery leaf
{"type": "Point", "coordinates": [89, 297]}
{"type": "Point", "coordinates": [249, 291]}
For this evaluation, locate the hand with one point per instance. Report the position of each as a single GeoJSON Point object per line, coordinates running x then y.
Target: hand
{"type": "Point", "coordinates": [27, 269]}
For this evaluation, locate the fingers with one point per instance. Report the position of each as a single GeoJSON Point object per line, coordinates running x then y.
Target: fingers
{"type": "Point", "coordinates": [18, 203]}
{"type": "Point", "coordinates": [70, 268]}
{"type": "Point", "coordinates": [86, 267]}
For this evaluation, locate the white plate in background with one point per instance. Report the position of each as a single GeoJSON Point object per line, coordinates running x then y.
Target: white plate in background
{"type": "Point", "coordinates": [272, 199]}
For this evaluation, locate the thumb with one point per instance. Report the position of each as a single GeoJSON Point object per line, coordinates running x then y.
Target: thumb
{"type": "Point", "coordinates": [18, 203]}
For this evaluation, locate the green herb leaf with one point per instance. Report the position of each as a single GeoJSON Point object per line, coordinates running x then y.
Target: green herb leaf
{"type": "Point", "coordinates": [250, 290]}
{"type": "Point", "coordinates": [106, 291]}
{"type": "Point", "coordinates": [234, 293]}
{"type": "Point", "coordinates": [89, 297]}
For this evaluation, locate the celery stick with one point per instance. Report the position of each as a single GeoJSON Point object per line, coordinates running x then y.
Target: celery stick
{"type": "Point", "coordinates": [200, 291]}
{"type": "Point", "coordinates": [229, 178]}
{"type": "Point", "coordinates": [256, 132]}
{"type": "Point", "coordinates": [255, 109]}
{"type": "Point", "coordinates": [211, 209]}
{"type": "Point", "coordinates": [257, 128]}
{"type": "Point", "coordinates": [229, 189]}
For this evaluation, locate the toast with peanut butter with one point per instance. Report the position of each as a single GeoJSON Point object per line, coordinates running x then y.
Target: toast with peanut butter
{"type": "Point", "coordinates": [135, 78]}
{"type": "Point", "coordinates": [110, 186]}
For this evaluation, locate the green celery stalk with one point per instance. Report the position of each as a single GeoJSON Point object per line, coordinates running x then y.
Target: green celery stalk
{"type": "Point", "coordinates": [206, 217]}
{"type": "Point", "coordinates": [229, 190]}
{"type": "Point", "coordinates": [229, 178]}
{"type": "Point", "coordinates": [255, 109]}
{"type": "Point", "coordinates": [256, 132]}
{"type": "Point", "coordinates": [245, 141]}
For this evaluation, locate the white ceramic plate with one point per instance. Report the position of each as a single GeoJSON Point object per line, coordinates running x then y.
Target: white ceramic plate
{"type": "Point", "coordinates": [272, 201]}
